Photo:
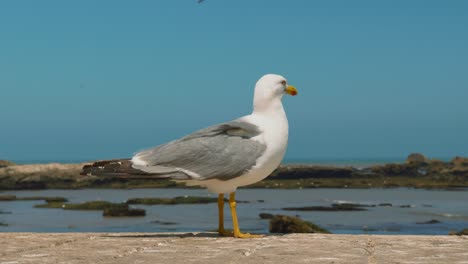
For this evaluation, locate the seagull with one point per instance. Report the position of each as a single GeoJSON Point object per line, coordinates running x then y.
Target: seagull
{"type": "Point", "coordinates": [222, 157]}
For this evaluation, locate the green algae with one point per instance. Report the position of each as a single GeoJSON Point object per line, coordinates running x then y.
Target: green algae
{"type": "Point", "coordinates": [290, 224]}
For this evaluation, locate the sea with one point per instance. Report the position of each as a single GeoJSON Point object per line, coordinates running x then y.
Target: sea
{"type": "Point", "coordinates": [405, 211]}
{"type": "Point", "coordinates": [391, 211]}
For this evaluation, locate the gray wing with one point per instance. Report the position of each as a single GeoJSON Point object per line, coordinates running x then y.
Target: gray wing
{"type": "Point", "coordinates": [222, 151]}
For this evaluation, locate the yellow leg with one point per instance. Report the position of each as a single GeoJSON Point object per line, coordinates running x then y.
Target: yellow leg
{"type": "Point", "coordinates": [221, 230]}
{"type": "Point", "coordinates": [235, 223]}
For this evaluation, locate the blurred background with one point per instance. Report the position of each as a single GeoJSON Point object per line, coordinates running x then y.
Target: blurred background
{"type": "Point", "coordinates": [377, 81]}
{"type": "Point", "coordinates": [102, 79]}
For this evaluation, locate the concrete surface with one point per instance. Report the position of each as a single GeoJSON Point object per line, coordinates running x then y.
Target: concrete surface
{"type": "Point", "coordinates": [18, 248]}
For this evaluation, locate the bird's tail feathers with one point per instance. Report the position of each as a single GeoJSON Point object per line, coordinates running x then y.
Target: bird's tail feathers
{"type": "Point", "coordinates": [121, 168]}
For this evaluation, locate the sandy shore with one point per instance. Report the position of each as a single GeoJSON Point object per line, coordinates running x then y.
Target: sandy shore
{"type": "Point", "coordinates": [18, 248]}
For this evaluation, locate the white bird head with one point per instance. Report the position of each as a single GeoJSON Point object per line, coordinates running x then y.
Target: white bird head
{"type": "Point", "coordinates": [269, 90]}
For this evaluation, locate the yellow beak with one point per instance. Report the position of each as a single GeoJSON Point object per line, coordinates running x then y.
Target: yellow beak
{"type": "Point", "coordinates": [291, 90]}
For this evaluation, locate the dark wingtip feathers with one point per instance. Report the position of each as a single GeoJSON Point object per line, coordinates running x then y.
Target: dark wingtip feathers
{"type": "Point", "coordinates": [117, 167]}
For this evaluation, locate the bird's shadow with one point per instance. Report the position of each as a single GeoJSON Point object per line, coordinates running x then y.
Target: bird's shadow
{"type": "Point", "coordinates": [177, 235]}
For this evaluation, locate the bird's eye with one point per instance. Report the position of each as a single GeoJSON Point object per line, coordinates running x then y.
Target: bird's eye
{"type": "Point", "coordinates": [283, 82]}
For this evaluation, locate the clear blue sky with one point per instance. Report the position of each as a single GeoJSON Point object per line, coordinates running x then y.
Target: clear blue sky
{"type": "Point", "coordinates": [102, 79]}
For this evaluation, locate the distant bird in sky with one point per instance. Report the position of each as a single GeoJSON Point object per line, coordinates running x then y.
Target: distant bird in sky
{"type": "Point", "coordinates": [221, 157]}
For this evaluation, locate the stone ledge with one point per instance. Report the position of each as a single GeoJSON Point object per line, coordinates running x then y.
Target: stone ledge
{"type": "Point", "coordinates": [18, 248]}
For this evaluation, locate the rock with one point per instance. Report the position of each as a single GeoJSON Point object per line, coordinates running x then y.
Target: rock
{"type": "Point", "coordinates": [7, 198]}
{"type": "Point", "coordinates": [369, 229]}
{"type": "Point", "coordinates": [460, 162]}
{"type": "Point", "coordinates": [92, 205]}
{"type": "Point", "coordinates": [289, 224]}
{"type": "Point", "coordinates": [122, 210]}
{"type": "Point", "coordinates": [109, 209]}
{"type": "Point", "coordinates": [391, 170]}
{"type": "Point", "coordinates": [47, 199]}
{"type": "Point", "coordinates": [292, 172]}
{"type": "Point", "coordinates": [6, 163]}
{"type": "Point", "coordinates": [463, 232]}
{"type": "Point", "coordinates": [429, 174]}
{"type": "Point", "coordinates": [385, 204]}
{"type": "Point", "coordinates": [40, 176]}
{"type": "Point", "coordinates": [405, 206]}
{"type": "Point", "coordinates": [163, 222]}
{"type": "Point", "coordinates": [176, 200]}
{"type": "Point", "coordinates": [266, 216]}
{"type": "Point", "coordinates": [416, 158]}
{"type": "Point", "coordinates": [348, 207]}
{"type": "Point", "coordinates": [334, 207]}
{"type": "Point", "coordinates": [432, 221]}
{"type": "Point", "coordinates": [51, 205]}
{"type": "Point", "coordinates": [354, 204]}
{"type": "Point", "coordinates": [55, 199]}
{"type": "Point", "coordinates": [460, 166]}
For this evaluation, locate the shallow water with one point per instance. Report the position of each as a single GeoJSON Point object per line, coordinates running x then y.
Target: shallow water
{"type": "Point", "coordinates": [449, 207]}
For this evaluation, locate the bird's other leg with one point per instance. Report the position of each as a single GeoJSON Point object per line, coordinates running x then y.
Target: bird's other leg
{"type": "Point", "coordinates": [221, 230]}
{"type": "Point", "coordinates": [235, 223]}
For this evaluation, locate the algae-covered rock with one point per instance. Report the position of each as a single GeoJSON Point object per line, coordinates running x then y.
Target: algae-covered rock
{"type": "Point", "coordinates": [50, 205]}
{"type": "Point", "coordinates": [289, 224]}
{"type": "Point", "coordinates": [266, 216]}
{"type": "Point", "coordinates": [159, 222]}
{"type": "Point", "coordinates": [416, 158]}
{"type": "Point", "coordinates": [429, 222]}
{"type": "Point", "coordinates": [385, 204]}
{"type": "Point", "coordinates": [108, 208]}
{"type": "Point", "coordinates": [348, 204]}
{"type": "Point", "coordinates": [460, 166]}
{"type": "Point", "coordinates": [93, 205]}
{"type": "Point", "coordinates": [32, 198]}
{"type": "Point", "coordinates": [460, 162]}
{"type": "Point", "coordinates": [176, 200]}
{"type": "Point", "coordinates": [293, 172]}
{"type": "Point", "coordinates": [334, 207]}
{"type": "Point", "coordinates": [57, 199]}
{"type": "Point", "coordinates": [463, 232]}
{"type": "Point", "coordinates": [7, 197]}
{"type": "Point", "coordinates": [6, 163]}
{"type": "Point", "coordinates": [120, 210]}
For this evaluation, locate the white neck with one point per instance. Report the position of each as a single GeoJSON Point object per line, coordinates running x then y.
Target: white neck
{"type": "Point", "coordinates": [272, 115]}
{"type": "Point", "coordinates": [264, 104]}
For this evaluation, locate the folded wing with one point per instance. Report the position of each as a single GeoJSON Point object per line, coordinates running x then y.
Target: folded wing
{"type": "Point", "coordinates": [221, 152]}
